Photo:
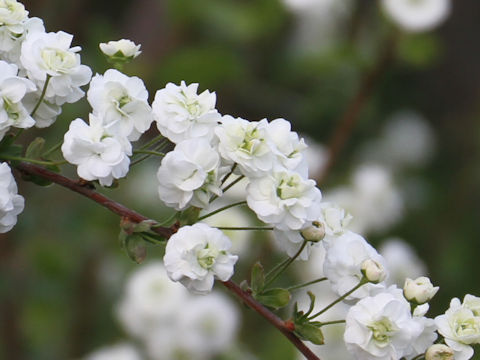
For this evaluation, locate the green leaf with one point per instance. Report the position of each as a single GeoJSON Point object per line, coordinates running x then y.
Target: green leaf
{"type": "Point", "coordinates": [310, 332]}
{"type": "Point", "coordinates": [34, 150]}
{"type": "Point", "coordinates": [274, 298]}
{"type": "Point", "coordinates": [189, 216]}
{"type": "Point", "coordinates": [257, 278]}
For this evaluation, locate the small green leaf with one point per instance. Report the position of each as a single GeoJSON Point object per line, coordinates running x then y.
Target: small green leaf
{"type": "Point", "coordinates": [257, 278]}
{"type": "Point", "coordinates": [189, 216]}
{"type": "Point", "coordinates": [135, 247]}
{"type": "Point", "coordinates": [274, 298]}
{"type": "Point", "coordinates": [310, 332]}
{"type": "Point", "coordinates": [34, 150]}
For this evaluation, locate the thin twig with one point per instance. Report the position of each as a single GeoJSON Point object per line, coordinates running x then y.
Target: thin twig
{"type": "Point", "coordinates": [271, 318]}
{"type": "Point", "coordinates": [76, 186]}
{"type": "Point", "coordinates": [350, 116]}
{"type": "Point", "coordinates": [119, 209]}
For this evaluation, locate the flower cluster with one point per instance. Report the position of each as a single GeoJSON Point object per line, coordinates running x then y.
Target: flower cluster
{"type": "Point", "coordinates": [169, 322]}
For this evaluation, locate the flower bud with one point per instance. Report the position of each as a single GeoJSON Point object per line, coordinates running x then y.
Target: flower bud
{"type": "Point", "coordinates": [439, 352]}
{"type": "Point", "coordinates": [373, 271]}
{"type": "Point", "coordinates": [120, 51]}
{"type": "Point", "coordinates": [419, 291]}
{"type": "Point", "coordinates": [314, 233]}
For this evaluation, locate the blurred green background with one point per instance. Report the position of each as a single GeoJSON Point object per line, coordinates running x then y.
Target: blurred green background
{"type": "Point", "coordinates": [55, 264]}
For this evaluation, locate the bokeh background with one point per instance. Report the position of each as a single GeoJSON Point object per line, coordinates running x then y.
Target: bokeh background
{"type": "Point", "coordinates": [61, 269]}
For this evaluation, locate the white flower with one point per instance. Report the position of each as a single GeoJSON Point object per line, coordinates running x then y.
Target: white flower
{"type": "Point", "coordinates": [139, 311]}
{"type": "Point", "coordinates": [373, 271]}
{"type": "Point", "coordinates": [11, 42]}
{"type": "Point", "coordinates": [380, 327]}
{"type": "Point", "coordinates": [439, 352]}
{"type": "Point", "coordinates": [12, 18]}
{"type": "Point", "coordinates": [121, 102]}
{"type": "Point", "coordinates": [46, 113]}
{"type": "Point", "coordinates": [419, 290]}
{"type": "Point", "coordinates": [343, 262]}
{"type": "Point", "coordinates": [373, 200]}
{"type": "Point", "coordinates": [12, 90]}
{"type": "Point", "coordinates": [182, 114]}
{"type": "Point", "coordinates": [417, 15]}
{"type": "Point", "coordinates": [473, 303]}
{"type": "Point", "coordinates": [99, 156]}
{"type": "Point", "coordinates": [208, 325]}
{"type": "Point", "coordinates": [290, 147]}
{"type": "Point", "coordinates": [115, 352]}
{"type": "Point", "coordinates": [11, 204]}
{"type": "Point", "coordinates": [247, 143]}
{"type": "Point", "coordinates": [121, 48]}
{"type": "Point", "coordinates": [334, 219]}
{"type": "Point", "coordinates": [190, 174]}
{"type": "Point", "coordinates": [284, 199]}
{"type": "Point", "coordinates": [426, 338]}
{"type": "Point", "coordinates": [50, 54]}
{"type": "Point", "coordinates": [196, 254]}
{"type": "Point", "coordinates": [460, 328]}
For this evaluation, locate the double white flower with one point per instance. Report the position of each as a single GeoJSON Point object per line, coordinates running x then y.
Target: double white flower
{"type": "Point", "coordinates": [284, 199]}
{"type": "Point", "coordinates": [121, 102]}
{"type": "Point", "coordinates": [190, 174]}
{"type": "Point", "coordinates": [12, 91]}
{"type": "Point", "coordinates": [50, 54]}
{"type": "Point", "coordinates": [460, 326]}
{"type": "Point", "coordinates": [11, 204]}
{"type": "Point", "coordinates": [381, 327]}
{"type": "Point", "coordinates": [98, 155]}
{"type": "Point", "coordinates": [183, 114]}
{"type": "Point", "coordinates": [197, 254]}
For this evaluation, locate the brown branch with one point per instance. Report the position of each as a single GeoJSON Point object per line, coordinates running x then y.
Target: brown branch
{"type": "Point", "coordinates": [87, 191]}
{"type": "Point", "coordinates": [271, 318]}
{"type": "Point", "coordinates": [124, 212]}
{"type": "Point", "coordinates": [350, 116]}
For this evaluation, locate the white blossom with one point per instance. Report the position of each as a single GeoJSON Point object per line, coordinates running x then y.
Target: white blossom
{"type": "Point", "coordinates": [190, 174]}
{"type": "Point", "coordinates": [97, 154]}
{"type": "Point", "coordinates": [50, 54]}
{"type": "Point", "coordinates": [290, 147]}
{"type": "Point", "coordinates": [425, 339]}
{"type": "Point", "coordinates": [124, 48]}
{"type": "Point", "coordinates": [380, 327]}
{"type": "Point", "coordinates": [284, 199]}
{"type": "Point", "coordinates": [197, 254]}
{"type": "Point", "coordinates": [182, 114]}
{"type": "Point", "coordinates": [11, 204]}
{"type": "Point", "coordinates": [334, 219]}
{"type": "Point", "coordinates": [460, 327]}
{"type": "Point", "coordinates": [419, 290]}
{"type": "Point", "coordinates": [343, 262]}
{"type": "Point", "coordinates": [123, 351]}
{"type": "Point", "coordinates": [248, 144]}
{"type": "Point", "coordinates": [139, 312]}
{"type": "Point", "coordinates": [290, 242]}
{"type": "Point", "coordinates": [417, 15]}
{"type": "Point", "coordinates": [12, 90]}
{"type": "Point", "coordinates": [12, 18]}
{"type": "Point", "coordinates": [121, 102]}
{"type": "Point", "coordinates": [373, 199]}
{"type": "Point", "coordinates": [46, 112]}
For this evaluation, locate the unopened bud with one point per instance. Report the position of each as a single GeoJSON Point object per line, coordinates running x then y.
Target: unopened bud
{"type": "Point", "coordinates": [314, 233]}
{"type": "Point", "coordinates": [419, 291]}
{"type": "Point", "coordinates": [373, 271]}
{"type": "Point", "coordinates": [439, 352]}
{"type": "Point", "coordinates": [120, 51]}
